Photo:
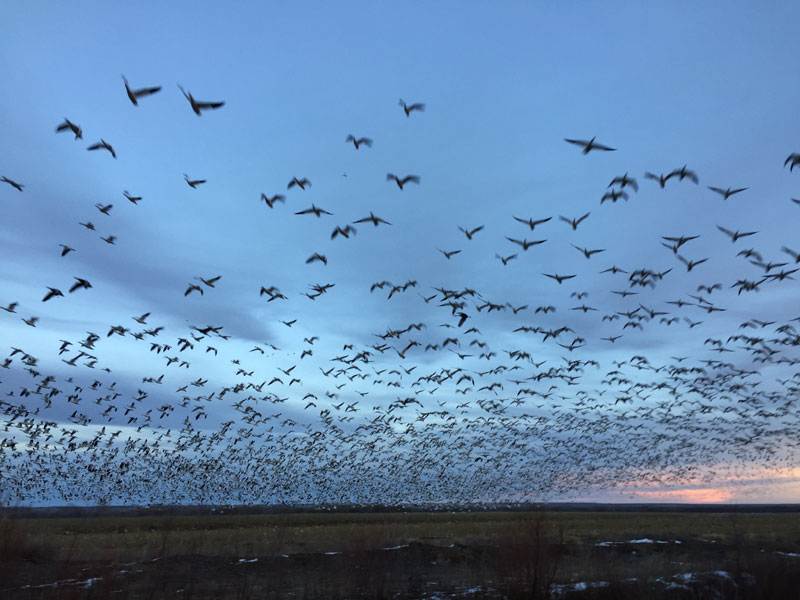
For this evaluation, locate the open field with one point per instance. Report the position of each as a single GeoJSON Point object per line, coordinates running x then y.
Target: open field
{"type": "Point", "coordinates": [404, 555]}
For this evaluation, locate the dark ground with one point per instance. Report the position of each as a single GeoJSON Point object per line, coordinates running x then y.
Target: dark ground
{"type": "Point", "coordinates": [521, 554]}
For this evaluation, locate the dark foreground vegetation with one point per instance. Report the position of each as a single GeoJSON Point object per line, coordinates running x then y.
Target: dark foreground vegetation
{"type": "Point", "coordinates": [531, 554]}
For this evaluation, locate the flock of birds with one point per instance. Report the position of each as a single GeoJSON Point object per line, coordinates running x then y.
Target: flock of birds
{"type": "Point", "coordinates": [432, 410]}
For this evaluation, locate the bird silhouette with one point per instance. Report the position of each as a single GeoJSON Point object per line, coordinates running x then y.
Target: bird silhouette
{"type": "Point", "coordinates": [525, 244]}
{"type": "Point", "coordinates": [343, 231]}
{"type": "Point", "coordinates": [559, 278]}
{"type": "Point", "coordinates": [470, 232]}
{"type": "Point", "coordinates": [301, 183]}
{"type": "Point", "coordinates": [79, 284]}
{"type": "Point", "coordinates": [735, 235]}
{"type": "Point", "coordinates": [531, 222]}
{"type": "Point", "coordinates": [193, 183]}
{"type": "Point", "coordinates": [314, 210]}
{"type": "Point", "coordinates": [134, 95]}
{"type": "Point", "coordinates": [684, 173]}
{"type": "Point", "coordinates": [505, 259]}
{"type": "Point", "coordinates": [270, 201]}
{"type": "Point", "coordinates": [103, 145]}
{"type": "Point", "coordinates": [12, 183]}
{"type": "Point", "coordinates": [409, 108]}
{"type": "Point", "coordinates": [372, 219]}
{"type": "Point", "coordinates": [624, 181]}
{"type": "Point", "coordinates": [450, 254]}
{"type": "Point", "coordinates": [726, 193]}
{"type": "Point", "coordinates": [358, 141]}
{"type": "Point", "coordinates": [317, 257]}
{"type": "Point", "coordinates": [574, 222]}
{"type": "Point", "coordinates": [401, 182]}
{"type": "Point", "coordinates": [590, 145]}
{"type": "Point", "coordinates": [52, 293]}
{"type": "Point", "coordinates": [614, 195]}
{"type": "Point", "coordinates": [587, 253]}
{"type": "Point", "coordinates": [68, 125]}
{"type": "Point", "coordinates": [199, 107]}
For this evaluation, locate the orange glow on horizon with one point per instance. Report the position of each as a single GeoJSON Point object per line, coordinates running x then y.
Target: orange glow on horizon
{"type": "Point", "coordinates": [702, 495]}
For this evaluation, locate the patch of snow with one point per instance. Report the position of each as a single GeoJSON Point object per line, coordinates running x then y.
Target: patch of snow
{"type": "Point", "coordinates": [331, 553]}
{"type": "Point", "coordinates": [89, 582]}
{"type": "Point", "coordinates": [581, 586]}
{"type": "Point", "coordinates": [397, 547]}
{"type": "Point", "coordinates": [788, 553]}
{"type": "Point", "coordinates": [723, 574]}
{"type": "Point", "coordinates": [248, 560]}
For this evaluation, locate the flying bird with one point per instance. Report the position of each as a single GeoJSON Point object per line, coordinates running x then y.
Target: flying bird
{"type": "Point", "coordinates": [301, 183]}
{"type": "Point", "coordinates": [211, 281]}
{"type": "Point", "coordinates": [449, 254]}
{"type": "Point", "coordinates": [574, 222]}
{"type": "Point", "coordinates": [726, 193]}
{"type": "Point", "coordinates": [12, 183]}
{"type": "Point", "coordinates": [590, 145]}
{"type": "Point", "coordinates": [133, 199]}
{"type": "Point", "coordinates": [372, 219]}
{"type": "Point", "coordinates": [346, 231]}
{"type": "Point", "coordinates": [317, 257]}
{"type": "Point", "coordinates": [409, 108]}
{"type": "Point", "coordinates": [530, 222]}
{"type": "Point", "coordinates": [198, 107]}
{"type": "Point", "coordinates": [525, 244]}
{"type": "Point", "coordinates": [625, 181]}
{"type": "Point", "coordinates": [677, 242]}
{"type": "Point", "coordinates": [134, 95]}
{"type": "Point", "coordinates": [793, 160]}
{"type": "Point", "coordinates": [470, 232]}
{"type": "Point", "coordinates": [691, 264]}
{"type": "Point", "coordinates": [193, 183]}
{"type": "Point", "coordinates": [79, 283]}
{"type": "Point", "coordinates": [735, 235]}
{"type": "Point", "coordinates": [66, 249]}
{"type": "Point", "coordinates": [661, 179]}
{"type": "Point", "coordinates": [103, 145]}
{"type": "Point", "coordinates": [614, 195]}
{"type": "Point", "coordinates": [792, 253]}
{"type": "Point", "coordinates": [684, 173]}
{"type": "Point", "coordinates": [587, 253]}
{"type": "Point", "coordinates": [401, 182]}
{"type": "Point", "coordinates": [52, 294]}
{"type": "Point", "coordinates": [358, 141]}
{"type": "Point", "coordinates": [315, 210]}
{"type": "Point", "coordinates": [68, 125]}
{"type": "Point", "coordinates": [559, 278]}
{"type": "Point", "coordinates": [271, 201]}
{"type": "Point", "coordinates": [505, 259]}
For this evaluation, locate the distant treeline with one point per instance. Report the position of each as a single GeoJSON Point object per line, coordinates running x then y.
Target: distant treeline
{"type": "Point", "coordinates": [180, 510]}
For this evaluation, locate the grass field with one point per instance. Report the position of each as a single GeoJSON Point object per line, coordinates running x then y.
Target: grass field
{"type": "Point", "coordinates": [404, 555]}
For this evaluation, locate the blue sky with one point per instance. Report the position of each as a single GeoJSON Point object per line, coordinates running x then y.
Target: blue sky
{"type": "Point", "coordinates": [711, 87]}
